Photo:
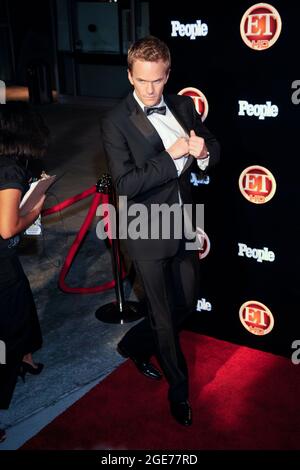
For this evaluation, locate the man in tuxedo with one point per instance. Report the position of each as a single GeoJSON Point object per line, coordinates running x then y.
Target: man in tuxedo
{"type": "Point", "coordinates": [153, 142]}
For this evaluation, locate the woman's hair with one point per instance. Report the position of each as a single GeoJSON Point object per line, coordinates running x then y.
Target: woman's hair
{"type": "Point", "coordinates": [23, 132]}
{"type": "Point", "coordinates": [149, 49]}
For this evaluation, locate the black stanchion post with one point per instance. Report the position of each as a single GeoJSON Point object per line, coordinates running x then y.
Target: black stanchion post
{"type": "Point", "coordinates": [120, 311]}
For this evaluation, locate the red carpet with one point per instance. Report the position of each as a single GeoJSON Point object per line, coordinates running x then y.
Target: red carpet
{"type": "Point", "coordinates": [241, 399]}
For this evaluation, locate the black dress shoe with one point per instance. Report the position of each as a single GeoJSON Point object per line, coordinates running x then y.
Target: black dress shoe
{"type": "Point", "coordinates": [145, 367]}
{"type": "Point", "coordinates": [182, 412]}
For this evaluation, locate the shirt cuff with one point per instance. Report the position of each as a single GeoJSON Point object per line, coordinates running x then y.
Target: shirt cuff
{"type": "Point", "coordinates": [203, 163]}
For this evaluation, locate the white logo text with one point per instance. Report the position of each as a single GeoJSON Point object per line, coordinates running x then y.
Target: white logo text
{"type": "Point", "coordinates": [259, 254]}
{"type": "Point", "coordinates": [202, 304]}
{"type": "Point", "coordinates": [192, 31]}
{"type": "Point", "coordinates": [258, 110]}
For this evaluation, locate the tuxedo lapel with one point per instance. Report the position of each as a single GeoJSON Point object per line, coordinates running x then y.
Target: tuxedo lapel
{"type": "Point", "coordinates": [142, 123]}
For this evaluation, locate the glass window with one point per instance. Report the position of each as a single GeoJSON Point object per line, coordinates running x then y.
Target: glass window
{"type": "Point", "coordinates": [98, 27]}
{"type": "Point", "coordinates": [63, 26]}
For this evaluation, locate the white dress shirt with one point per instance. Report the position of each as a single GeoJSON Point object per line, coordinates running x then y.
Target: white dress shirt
{"type": "Point", "coordinates": [169, 131]}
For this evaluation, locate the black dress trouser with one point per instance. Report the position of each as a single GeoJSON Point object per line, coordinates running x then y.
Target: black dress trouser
{"type": "Point", "coordinates": [171, 288]}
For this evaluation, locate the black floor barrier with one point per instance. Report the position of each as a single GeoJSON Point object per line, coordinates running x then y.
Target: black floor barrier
{"type": "Point", "coordinates": [119, 311]}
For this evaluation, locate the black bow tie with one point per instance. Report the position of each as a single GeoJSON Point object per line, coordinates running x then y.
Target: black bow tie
{"type": "Point", "coordinates": [155, 109]}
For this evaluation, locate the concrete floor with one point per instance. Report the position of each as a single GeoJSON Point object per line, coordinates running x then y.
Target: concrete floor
{"type": "Point", "coordinates": [78, 350]}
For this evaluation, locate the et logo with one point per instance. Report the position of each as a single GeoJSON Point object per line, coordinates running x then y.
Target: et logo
{"type": "Point", "coordinates": [200, 101]}
{"type": "Point", "coordinates": [204, 243]}
{"type": "Point", "coordinates": [260, 26]}
{"type": "Point", "coordinates": [257, 184]}
{"type": "Point", "coordinates": [256, 318]}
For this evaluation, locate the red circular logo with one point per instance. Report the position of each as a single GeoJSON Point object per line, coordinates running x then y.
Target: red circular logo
{"type": "Point", "coordinates": [199, 99]}
{"type": "Point", "coordinates": [256, 318]}
{"type": "Point", "coordinates": [204, 243]}
{"type": "Point", "coordinates": [257, 184]}
{"type": "Point", "coordinates": [260, 26]}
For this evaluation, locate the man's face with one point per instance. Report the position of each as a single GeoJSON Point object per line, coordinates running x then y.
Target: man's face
{"type": "Point", "coordinates": [149, 79]}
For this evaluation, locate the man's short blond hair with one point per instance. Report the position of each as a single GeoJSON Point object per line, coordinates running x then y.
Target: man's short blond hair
{"type": "Point", "coordinates": [149, 49]}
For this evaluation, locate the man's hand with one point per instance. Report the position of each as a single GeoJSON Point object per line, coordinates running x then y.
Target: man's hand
{"type": "Point", "coordinates": [179, 149]}
{"type": "Point", "coordinates": [197, 146]}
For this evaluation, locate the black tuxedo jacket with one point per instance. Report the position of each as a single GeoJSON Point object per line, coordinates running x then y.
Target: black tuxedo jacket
{"type": "Point", "coordinates": [143, 171]}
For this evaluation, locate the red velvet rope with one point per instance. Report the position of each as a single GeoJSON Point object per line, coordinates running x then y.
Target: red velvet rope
{"type": "Point", "coordinates": [97, 199]}
{"type": "Point", "coordinates": [69, 202]}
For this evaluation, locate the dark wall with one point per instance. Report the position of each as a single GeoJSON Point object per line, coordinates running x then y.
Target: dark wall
{"type": "Point", "coordinates": [226, 70]}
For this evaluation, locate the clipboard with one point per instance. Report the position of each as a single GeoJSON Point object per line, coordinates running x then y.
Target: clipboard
{"type": "Point", "coordinates": [36, 191]}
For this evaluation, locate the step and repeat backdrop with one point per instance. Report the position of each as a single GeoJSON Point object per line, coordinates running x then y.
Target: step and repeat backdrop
{"type": "Point", "coordinates": [240, 64]}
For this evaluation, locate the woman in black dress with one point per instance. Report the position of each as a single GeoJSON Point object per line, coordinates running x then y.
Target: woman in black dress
{"type": "Point", "coordinates": [23, 136]}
